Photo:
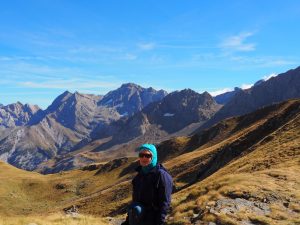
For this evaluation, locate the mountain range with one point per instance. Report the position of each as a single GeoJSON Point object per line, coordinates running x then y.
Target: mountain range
{"type": "Point", "coordinates": [39, 135]}
{"type": "Point", "coordinates": [78, 129]}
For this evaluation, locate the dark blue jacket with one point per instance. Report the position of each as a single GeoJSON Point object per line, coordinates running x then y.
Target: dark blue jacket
{"type": "Point", "coordinates": [153, 190]}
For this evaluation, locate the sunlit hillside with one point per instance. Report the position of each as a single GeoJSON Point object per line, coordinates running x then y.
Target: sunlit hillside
{"type": "Point", "coordinates": [249, 177]}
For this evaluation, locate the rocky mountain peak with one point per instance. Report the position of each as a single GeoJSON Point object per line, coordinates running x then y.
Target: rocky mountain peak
{"type": "Point", "coordinates": [59, 101]}
{"type": "Point", "coordinates": [131, 98]}
{"type": "Point", "coordinates": [31, 108]}
{"type": "Point", "coordinates": [130, 86]}
{"type": "Point", "coordinates": [181, 108]}
{"type": "Point", "coordinates": [17, 114]}
{"type": "Point", "coordinates": [189, 97]}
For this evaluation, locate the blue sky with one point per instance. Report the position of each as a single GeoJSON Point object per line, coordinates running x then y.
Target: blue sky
{"type": "Point", "coordinates": [49, 46]}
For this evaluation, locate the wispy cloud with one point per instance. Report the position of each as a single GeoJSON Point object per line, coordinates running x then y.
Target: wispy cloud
{"type": "Point", "coordinates": [267, 77]}
{"type": "Point", "coordinates": [95, 49]}
{"type": "Point", "coordinates": [224, 90]}
{"type": "Point", "coordinates": [185, 46]}
{"type": "Point", "coordinates": [238, 43]}
{"type": "Point", "coordinates": [264, 61]}
{"type": "Point", "coordinates": [221, 91]}
{"type": "Point", "coordinates": [128, 57]}
{"type": "Point", "coordinates": [146, 46]}
{"type": "Point", "coordinates": [152, 45]}
{"type": "Point", "coordinates": [246, 86]}
{"type": "Point", "coordinates": [70, 84]}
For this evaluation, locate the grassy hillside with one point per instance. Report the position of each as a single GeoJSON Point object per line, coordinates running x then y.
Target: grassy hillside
{"type": "Point", "coordinates": [243, 170]}
{"type": "Point", "coordinates": [29, 194]}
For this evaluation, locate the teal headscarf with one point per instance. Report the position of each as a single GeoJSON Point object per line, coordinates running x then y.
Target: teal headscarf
{"type": "Point", "coordinates": [152, 149]}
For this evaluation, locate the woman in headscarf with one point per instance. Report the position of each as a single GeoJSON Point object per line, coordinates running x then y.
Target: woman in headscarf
{"type": "Point", "coordinates": [152, 188]}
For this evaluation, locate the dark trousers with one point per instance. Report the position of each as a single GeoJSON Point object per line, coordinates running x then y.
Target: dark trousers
{"type": "Point", "coordinates": [138, 216]}
{"type": "Point", "coordinates": [135, 212]}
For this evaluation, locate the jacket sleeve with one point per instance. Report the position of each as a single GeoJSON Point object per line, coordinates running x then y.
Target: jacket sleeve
{"type": "Point", "coordinates": [165, 186]}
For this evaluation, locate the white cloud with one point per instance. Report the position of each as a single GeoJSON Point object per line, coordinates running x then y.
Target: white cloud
{"type": "Point", "coordinates": [218, 92]}
{"type": "Point", "coordinates": [129, 57]}
{"type": "Point", "coordinates": [267, 77]}
{"type": "Point", "coordinates": [146, 46]}
{"type": "Point", "coordinates": [237, 43]}
{"type": "Point", "coordinates": [224, 90]}
{"type": "Point", "coordinates": [246, 86]}
{"type": "Point", "coordinates": [185, 46]}
{"type": "Point", "coordinates": [95, 49]}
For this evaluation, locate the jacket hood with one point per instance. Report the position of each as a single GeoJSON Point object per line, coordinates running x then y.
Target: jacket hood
{"type": "Point", "coordinates": [152, 149]}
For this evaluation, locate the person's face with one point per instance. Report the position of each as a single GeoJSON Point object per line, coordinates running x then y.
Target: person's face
{"type": "Point", "coordinates": [145, 157]}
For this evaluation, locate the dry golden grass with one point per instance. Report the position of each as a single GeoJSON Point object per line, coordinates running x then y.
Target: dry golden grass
{"type": "Point", "coordinates": [26, 193]}
{"type": "Point", "coordinates": [268, 172]}
{"type": "Point", "coordinates": [54, 219]}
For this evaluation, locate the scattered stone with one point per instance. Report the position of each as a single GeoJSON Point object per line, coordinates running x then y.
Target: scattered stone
{"type": "Point", "coordinates": [212, 223]}
{"type": "Point", "coordinates": [114, 220]}
{"type": "Point", "coordinates": [211, 203]}
{"type": "Point", "coordinates": [60, 186]}
{"type": "Point", "coordinates": [72, 211]}
{"type": "Point", "coordinates": [233, 206]}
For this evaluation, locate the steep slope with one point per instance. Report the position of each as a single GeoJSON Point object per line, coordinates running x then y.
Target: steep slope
{"type": "Point", "coordinates": [27, 147]}
{"type": "Point", "coordinates": [243, 170]}
{"type": "Point", "coordinates": [282, 87]}
{"type": "Point", "coordinates": [74, 111]}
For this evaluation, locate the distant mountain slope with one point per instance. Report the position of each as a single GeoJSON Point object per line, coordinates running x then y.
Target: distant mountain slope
{"type": "Point", "coordinates": [16, 114]}
{"type": "Point", "coordinates": [74, 111]}
{"type": "Point", "coordinates": [226, 97]}
{"type": "Point", "coordinates": [276, 89]}
{"type": "Point", "coordinates": [156, 122]}
{"type": "Point", "coordinates": [131, 98]}
{"type": "Point", "coordinates": [70, 119]}
{"type": "Point", "coordinates": [159, 119]}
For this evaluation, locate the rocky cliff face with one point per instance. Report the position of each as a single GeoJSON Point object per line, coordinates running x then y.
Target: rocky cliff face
{"type": "Point", "coordinates": [131, 98]}
{"type": "Point", "coordinates": [180, 109]}
{"type": "Point", "coordinates": [17, 114]}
